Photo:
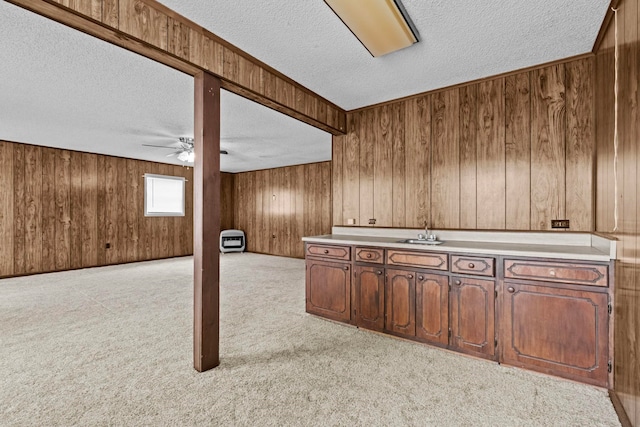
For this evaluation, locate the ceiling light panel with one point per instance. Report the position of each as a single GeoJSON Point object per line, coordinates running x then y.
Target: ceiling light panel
{"type": "Point", "coordinates": [379, 24]}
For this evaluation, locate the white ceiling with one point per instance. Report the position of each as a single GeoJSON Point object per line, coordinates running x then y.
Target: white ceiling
{"type": "Point", "coordinates": [62, 88]}
{"type": "Point", "coordinates": [461, 41]}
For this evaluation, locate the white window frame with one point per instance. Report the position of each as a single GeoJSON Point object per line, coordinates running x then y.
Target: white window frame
{"type": "Point", "coordinates": [146, 201]}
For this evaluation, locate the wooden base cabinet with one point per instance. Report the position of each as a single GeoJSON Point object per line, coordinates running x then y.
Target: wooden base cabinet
{"type": "Point", "coordinates": [473, 316]}
{"type": "Point", "coordinates": [432, 308]}
{"type": "Point", "coordinates": [328, 289]}
{"type": "Point", "coordinates": [562, 332]}
{"type": "Point", "coordinates": [400, 296]}
{"type": "Point", "coordinates": [368, 297]}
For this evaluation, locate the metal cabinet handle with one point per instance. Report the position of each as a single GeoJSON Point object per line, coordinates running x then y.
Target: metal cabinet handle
{"type": "Point", "coordinates": [552, 272]}
{"type": "Point", "coordinates": [410, 276]}
{"type": "Point", "coordinates": [379, 272]}
{"type": "Point", "coordinates": [471, 265]}
{"type": "Point", "coordinates": [368, 255]}
{"type": "Point", "coordinates": [420, 277]}
{"type": "Point", "coordinates": [346, 267]}
{"type": "Point", "coordinates": [326, 251]}
{"type": "Point", "coordinates": [458, 282]}
{"type": "Point", "coordinates": [510, 289]}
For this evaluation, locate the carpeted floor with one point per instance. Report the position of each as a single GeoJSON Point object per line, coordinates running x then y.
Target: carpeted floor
{"type": "Point", "coordinates": [113, 346]}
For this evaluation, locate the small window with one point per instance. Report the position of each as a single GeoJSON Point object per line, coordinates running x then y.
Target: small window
{"type": "Point", "coordinates": [163, 195]}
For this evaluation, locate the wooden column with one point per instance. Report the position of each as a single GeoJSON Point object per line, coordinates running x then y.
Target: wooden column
{"type": "Point", "coordinates": [206, 223]}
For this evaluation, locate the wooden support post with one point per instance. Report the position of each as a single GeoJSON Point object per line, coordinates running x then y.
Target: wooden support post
{"type": "Point", "coordinates": [206, 223]}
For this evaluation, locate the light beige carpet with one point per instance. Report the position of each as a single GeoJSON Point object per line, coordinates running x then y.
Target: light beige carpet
{"type": "Point", "coordinates": [113, 346]}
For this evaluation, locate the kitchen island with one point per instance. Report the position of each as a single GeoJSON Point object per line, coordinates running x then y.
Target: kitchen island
{"type": "Point", "coordinates": [536, 300]}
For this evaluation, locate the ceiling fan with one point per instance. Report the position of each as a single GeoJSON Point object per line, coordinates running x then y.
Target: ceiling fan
{"type": "Point", "coordinates": [183, 149]}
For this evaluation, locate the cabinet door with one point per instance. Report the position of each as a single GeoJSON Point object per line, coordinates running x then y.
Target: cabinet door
{"type": "Point", "coordinates": [328, 287]}
{"type": "Point", "coordinates": [432, 308]}
{"type": "Point", "coordinates": [558, 331]}
{"type": "Point", "coordinates": [369, 297]}
{"type": "Point", "coordinates": [400, 298]}
{"type": "Point", "coordinates": [473, 316]}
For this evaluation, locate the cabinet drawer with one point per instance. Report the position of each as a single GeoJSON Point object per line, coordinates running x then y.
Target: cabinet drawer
{"type": "Point", "coordinates": [473, 265]}
{"type": "Point", "coordinates": [430, 260]}
{"type": "Point", "coordinates": [372, 255]}
{"type": "Point", "coordinates": [561, 272]}
{"type": "Point", "coordinates": [329, 251]}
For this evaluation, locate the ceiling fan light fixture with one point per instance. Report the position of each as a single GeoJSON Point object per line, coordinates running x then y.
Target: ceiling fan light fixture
{"type": "Point", "coordinates": [382, 26]}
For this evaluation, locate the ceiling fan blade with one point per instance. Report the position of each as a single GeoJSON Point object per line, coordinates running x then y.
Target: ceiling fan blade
{"type": "Point", "coordinates": [159, 146]}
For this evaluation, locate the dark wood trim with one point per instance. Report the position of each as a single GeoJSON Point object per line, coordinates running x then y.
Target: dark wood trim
{"type": "Point", "coordinates": [67, 16]}
{"type": "Point", "coordinates": [280, 167]}
{"type": "Point", "coordinates": [206, 223]}
{"type": "Point", "coordinates": [617, 405]}
{"type": "Point", "coordinates": [605, 25]}
{"type": "Point", "coordinates": [476, 81]}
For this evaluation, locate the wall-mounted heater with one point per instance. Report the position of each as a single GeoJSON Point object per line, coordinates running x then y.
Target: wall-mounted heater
{"type": "Point", "coordinates": [232, 241]}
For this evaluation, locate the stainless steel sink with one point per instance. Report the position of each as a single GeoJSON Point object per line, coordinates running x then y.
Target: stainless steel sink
{"type": "Point", "coordinates": [420, 242]}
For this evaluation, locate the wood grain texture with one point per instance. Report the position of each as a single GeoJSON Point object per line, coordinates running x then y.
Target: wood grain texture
{"type": "Point", "coordinates": [491, 155]}
{"type": "Point", "coordinates": [381, 142]}
{"type": "Point", "coordinates": [370, 120]}
{"type": "Point", "coordinates": [580, 139]}
{"type": "Point", "coordinates": [33, 209]}
{"type": "Point", "coordinates": [91, 8]}
{"type": "Point", "coordinates": [351, 172]}
{"type": "Point", "coordinates": [18, 209]}
{"type": "Point", "coordinates": [399, 163]}
{"type": "Point", "coordinates": [301, 207]}
{"type": "Point", "coordinates": [445, 161]}
{"type": "Point", "coordinates": [142, 20]}
{"type": "Point", "coordinates": [418, 161]}
{"type": "Point", "coordinates": [337, 155]}
{"type": "Point", "coordinates": [548, 121]}
{"type": "Point", "coordinates": [6, 209]}
{"type": "Point", "coordinates": [71, 204]}
{"type": "Point", "coordinates": [518, 152]}
{"type": "Point", "coordinates": [468, 156]}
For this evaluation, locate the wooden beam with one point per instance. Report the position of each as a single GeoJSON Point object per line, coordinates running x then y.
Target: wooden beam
{"type": "Point", "coordinates": [605, 25]}
{"type": "Point", "coordinates": [206, 223]}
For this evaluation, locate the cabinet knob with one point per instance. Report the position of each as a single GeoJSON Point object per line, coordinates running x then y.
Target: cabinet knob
{"type": "Point", "coordinates": [471, 265]}
{"type": "Point", "coordinates": [510, 289]}
{"type": "Point", "coordinates": [458, 282]}
{"type": "Point", "coordinates": [368, 255]}
{"type": "Point", "coordinates": [379, 272]}
{"type": "Point", "coordinates": [346, 267]}
{"type": "Point", "coordinates": [552, 272]}
{"type": "Point", "coordinates": [420, 277]}
{"type": "Point", "coordinates": [326, 251]}
{"type": "Point", "coordinates": [410, 276]}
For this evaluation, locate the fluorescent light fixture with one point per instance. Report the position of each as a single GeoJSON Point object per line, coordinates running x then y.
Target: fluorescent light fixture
{"type": "Point", "coordinates": [382, 26]}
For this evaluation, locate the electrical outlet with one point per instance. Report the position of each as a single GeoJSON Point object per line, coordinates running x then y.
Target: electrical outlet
{"type": "Point", "coordinates": [559, 223]}
{"type": "Point", "coordinates": [108, 246]}
{"type": "Point", "coordinates": [351, 221]}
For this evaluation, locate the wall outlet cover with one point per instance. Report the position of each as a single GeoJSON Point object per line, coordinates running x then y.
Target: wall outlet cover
{"type": "Point", "coordinates": [559, 223]}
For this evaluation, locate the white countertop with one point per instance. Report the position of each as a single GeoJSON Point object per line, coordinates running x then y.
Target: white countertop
{"type": "Point", "coordinates": [560, 245]}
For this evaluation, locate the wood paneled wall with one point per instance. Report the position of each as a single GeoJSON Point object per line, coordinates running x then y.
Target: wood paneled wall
{"type": "Point", "coordinates": [277, 207]}
{"type": "Point", "coordinates": [59, 209]}
{"type": "Point", "coordinates": [511, 152]}
{"type": "Point", "coordinates": [153, 30]}
{"type": "Point", "coordinates": [226, 201]}
{"type": "Point", "coordinates": [627, 226]}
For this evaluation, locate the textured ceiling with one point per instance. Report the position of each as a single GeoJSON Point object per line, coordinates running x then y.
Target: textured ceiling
{"type": "Point", "coordinates": [62, 88]}
{"type": "Point", "coordinates": [460, 41]}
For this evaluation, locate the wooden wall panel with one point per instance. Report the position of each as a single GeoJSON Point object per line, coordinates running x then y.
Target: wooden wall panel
{"type": "Point", "coordinates": [277, 207]}
{"type": "Point", "coordinates": [445, 160]}
{"type": "Point", "coordinates": [75, 209]}
{"type": "Point", "coordinates": [226, 204]}
{"type": "Point", "coordinates": [517, 152]}
{"type": "Point", "coordinates": [580, 140]}
{"type": "Point", "coordinates": [143, 21]}
{"type": "Point", "coordinates": [89, 210]}
{"type": "Point", "coordinates": [33, 210]}
{"type": "Point", "coordinates": [381, 142]}
{"type": "Point", "coordinates": [502, 153]}
{"type": "Point", "coordinates": [18, 210]}
{"type": "Point", "coordinates": [71, 204]}
{"type": "Point", "coordinates": [547, 146]}
{"type": "Point", "coordinates": [418, 161]}
{"type": "Point", "coordinates": [469, 188]}
{"type": "Point", "coordinates": [491, 185]}
{"type": "Point", "coordinates": [6, 208]}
